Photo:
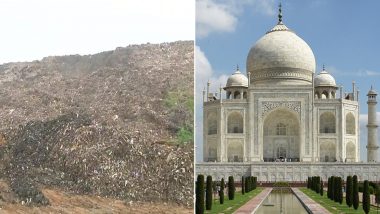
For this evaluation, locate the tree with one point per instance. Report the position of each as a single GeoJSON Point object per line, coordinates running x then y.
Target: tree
{"type": "Point", "coordinates": [333, 188]}
{"type": "Point", "coordinates": [321, 188]}
{"type": "Point", "coordinates": [247, 185]}
{"type": "Point", "coordinates": [329, 187]}
{"type": "Point", "coordinates": [221, 191]}
{"type": "Point", "coordinates": [366, 197]}
{"type": "Point", "coordinates": [355, 192]}
{"type": "Point", "coordinates": [349, 191]}
{"type": "Point", "coordinates": [340, 192]}
{"type": "Point", "coordinates": [208, 192]}
{"type": "Point", "coordinates": [242, 185]}
{"type": "Point", "coordinates": [231, 188]}
{"type": "Point", "coordinates": [254, 182]}
{"type": "Point", "coordinates": [200, 195]}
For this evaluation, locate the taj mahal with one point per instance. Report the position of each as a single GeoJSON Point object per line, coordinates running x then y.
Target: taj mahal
{"type": "Point", "coordinates": [284, 120]}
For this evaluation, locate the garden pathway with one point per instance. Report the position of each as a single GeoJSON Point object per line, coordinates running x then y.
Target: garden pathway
{"type": "Point", "coordinates": [313, 206]}
{"type": "Point", "coordinates": [254, 203]}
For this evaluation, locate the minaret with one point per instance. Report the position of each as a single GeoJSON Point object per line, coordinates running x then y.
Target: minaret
{"type": "Point", "coordinates": [372, 127]}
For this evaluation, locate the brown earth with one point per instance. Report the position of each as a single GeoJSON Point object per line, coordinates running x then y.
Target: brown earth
{"type": "Point", "coordinates": [66, 203]}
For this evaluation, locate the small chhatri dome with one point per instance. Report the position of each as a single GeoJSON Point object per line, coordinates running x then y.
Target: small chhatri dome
{"type": "Point", "coordinates": [324, 79]}
{"type": "Point", "coordinates": [281, 57]}
{"type": "Point", "coordinates": [372, 91]}
{"type": "Point", "coordinates": [237, 79]}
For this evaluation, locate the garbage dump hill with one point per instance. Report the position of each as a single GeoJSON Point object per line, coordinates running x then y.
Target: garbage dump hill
{"type": "Point", "coordinates": [114, 124]}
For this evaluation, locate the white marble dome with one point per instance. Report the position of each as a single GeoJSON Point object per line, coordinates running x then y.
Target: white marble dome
{"type": "Point", "coordinates": [281, 57]}
{"type": "Point", "coordinates": [237, 79]}
{"type": "Point", "coordinates": [324, 79]}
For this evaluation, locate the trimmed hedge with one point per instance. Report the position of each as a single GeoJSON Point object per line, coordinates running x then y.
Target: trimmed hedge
{"type": "Point", "coordinates": [242, 185]}
{"type": "Point", "coordinates": [366, 197]}
{"type": "Point", "coordinates": [221, 191]}
{"type": "Point", "coordinates": [231, 188]}
{"type": "Point", "coordinates": [349, 191]}
{"type": "Point", "coordinates": [208, 192]}
{"type": "Point", "coordinates": [355, 192]}
{"type": "Point", "coordinates": [200, 195]}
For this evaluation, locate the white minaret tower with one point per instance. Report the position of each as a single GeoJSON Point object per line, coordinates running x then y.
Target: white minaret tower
{"type": "Point", "coordinates": [372, 127]}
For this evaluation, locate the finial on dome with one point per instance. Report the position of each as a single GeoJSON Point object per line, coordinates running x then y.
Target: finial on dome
{"type": "Point", "coordinates": [279, 14]}
{"type": "Point", "coordinates": [237, 67]}
{"type": "Point", "coordinates": [323, 69]}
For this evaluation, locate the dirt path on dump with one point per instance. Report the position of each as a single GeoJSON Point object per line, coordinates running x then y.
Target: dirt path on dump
{"type": "Point", "coordinates": [67, 203]}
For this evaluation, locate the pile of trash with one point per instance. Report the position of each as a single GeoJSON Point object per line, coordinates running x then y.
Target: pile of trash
{"type": "Point", "coordinates": [71, 153]}
{"type": "Point", "coordinates": [94, 133]}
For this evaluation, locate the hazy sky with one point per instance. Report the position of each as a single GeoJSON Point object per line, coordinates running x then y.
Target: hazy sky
{"type": "Point", "coordinates": [32, 29]}
{"type": "Point", "coordinates": [344, 35]}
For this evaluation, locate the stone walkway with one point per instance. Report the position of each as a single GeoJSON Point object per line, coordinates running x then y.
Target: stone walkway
{"type": "Point", "coordinates": [313, 206]}
{"type": "Point", "coordinates": [254, 203]}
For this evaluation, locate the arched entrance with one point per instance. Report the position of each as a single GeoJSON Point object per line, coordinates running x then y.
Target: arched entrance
{"type": "Point", "coordinates": [281, 136]}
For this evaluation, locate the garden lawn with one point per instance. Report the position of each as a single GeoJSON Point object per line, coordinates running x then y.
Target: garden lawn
{"type": "Point", "coordinates": [230, 206]}
{"type": "Point", "coordinates": [332, 206]}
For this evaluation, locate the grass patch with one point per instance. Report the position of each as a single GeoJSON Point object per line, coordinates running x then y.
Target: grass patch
{"type": "Point", "coordinates": [332, 206]}
{"type": "Point", "coordinates": [185, 135]}
{"type": "Point", "coordinates": [231, 206]}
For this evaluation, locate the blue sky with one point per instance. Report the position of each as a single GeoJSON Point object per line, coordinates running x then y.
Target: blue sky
{"type": "Point", "coordinates": [342, 34]}
{"type": "Point", "coordinates": [31, 30]}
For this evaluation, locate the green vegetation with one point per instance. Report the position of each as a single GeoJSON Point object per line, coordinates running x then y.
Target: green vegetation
{"type": "Point", "coordinates": [230, 206]}
{"type": "Point", "coordinates": [242, 185]}
{"type": "Point", "coordinates": [321, 188]}
{"type": "Point", "coordinates": [221, 191]}
{"type": "Point", "coordinates": [200, 195]}
{"type": "Point", "coordinates": [355, 199]}
{"type": "Point", "coordinates": [185, 134]}
{"type": "Point", "coordinates": [366, 197]}
{"type": "Point", "coordinates": [330, 205]}
{"type": "Point", "coordinates": [208, 192]}
{"type": "Point", "coordinates": [281, 184]}
{"type": "Point", "coordinates": [349, 191]}
{"type": "Point", "coordinates": [174, 99]}
{"type": "Point", "coordinates": [179, 103]}
{"type": "Point", "coordinates": [231, 188]}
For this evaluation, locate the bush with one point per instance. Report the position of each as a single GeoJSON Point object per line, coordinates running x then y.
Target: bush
{"type": "Point", "coordinates": [321, 190]}
{"type": "Point", "coordinates": [208, 192]}
{"type": "Point", "coordinates": [231, 188]}
{"type": "Point", "coordinates": [355, 192]}
{"type": "Point", "coordinates": [221, 191]}
{"type": "Point", "coordinates": [329, 188]}
{"type": "Point", "coordinates": [349, 191]}
{"type": "Point", "coordinates": [340, 192]}
{"type": "Point", "coordinates": [366, 197]}
{"type": "Point", "coordinates": [242, 185]}
{"type": "Point", "coordinates": [200, 195]}
{"type": "Point", "coordinates": [254, 182]}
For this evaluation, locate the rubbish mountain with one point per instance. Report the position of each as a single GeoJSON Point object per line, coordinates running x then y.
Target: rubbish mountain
{"type": "Point", "coordinates": [114, 124]}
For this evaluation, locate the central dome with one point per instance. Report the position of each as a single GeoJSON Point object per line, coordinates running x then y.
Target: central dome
{"type": "Point", "coordinates": [281, 57]}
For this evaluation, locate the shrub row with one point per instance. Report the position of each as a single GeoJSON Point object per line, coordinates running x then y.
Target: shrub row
{"type": "Point", "coordinates": [248, 184]}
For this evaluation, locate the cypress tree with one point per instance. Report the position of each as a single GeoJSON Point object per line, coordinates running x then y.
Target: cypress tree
{"type": "Point", "coordinates": [366, 197]}
{"type": "Point", "coordinates": [208, 192]}
{"type": "Point", "coordinates": [321, 188]}
{"type": "Point", "coordinates": [242, 185]}
{"type": "Point", "coordinates": [231, 188]}
{"type": "Point", "coordinates": [336, 197]}
{"type": "Point", "coordinates": [340, 192]}
{"type": "Point", "coordinates": [246, 184]}
{"type": "Point", "coordinates": [329, 188]}
{"type": "Point", "coordinates": [317, 184]}
{"type": "Point", "coordinates": [332, 188]}
{"type": "Point", "coordinates": [221, 191]}
{"type": "Point", "coordinates": [349, 191]}
{"type": "Point", "coordinates": [355, 192]}
{"type": "Point", "coordinates": [200, 195]}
